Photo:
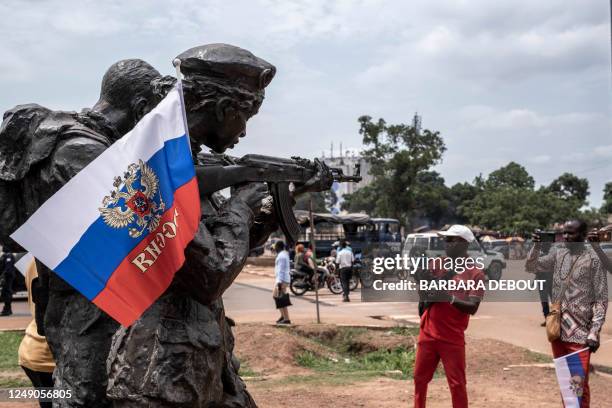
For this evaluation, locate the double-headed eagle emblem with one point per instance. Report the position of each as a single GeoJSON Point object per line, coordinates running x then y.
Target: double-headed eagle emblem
{"type": "Point", "coordinates": [136, 201]}
{"type": "Point", "coordinates": [577, 385]}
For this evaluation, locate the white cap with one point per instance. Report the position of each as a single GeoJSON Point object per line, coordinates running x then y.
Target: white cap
{"type": "Point", "coordinates": [458, 231]}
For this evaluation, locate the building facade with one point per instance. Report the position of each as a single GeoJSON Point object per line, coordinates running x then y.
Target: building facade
{"type": "Point", "coordinates": [348, 162]}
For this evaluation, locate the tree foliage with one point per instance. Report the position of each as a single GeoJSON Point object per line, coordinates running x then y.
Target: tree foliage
{"type": "Point", "coordinates": [512, 175]}
{"type": "Point", "coordinates": [571, 188]}
{"type": "Point", "coordinates": [400, 158]}
{"type": "Point", "coordinates": [405, 187]}
{"type": "Point", "coordinates": [508, 201]}
{"type": "Point", "coordinates": [459, 195]}
{"type": "Point", "coordinates": [607, 204]}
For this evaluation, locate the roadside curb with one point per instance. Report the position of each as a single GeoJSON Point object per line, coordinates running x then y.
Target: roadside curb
{"type": "Point", "coordinates": [258, 273]}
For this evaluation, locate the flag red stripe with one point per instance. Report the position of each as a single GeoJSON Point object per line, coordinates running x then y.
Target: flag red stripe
{"type": "Point", "coordinates": [129, 291]}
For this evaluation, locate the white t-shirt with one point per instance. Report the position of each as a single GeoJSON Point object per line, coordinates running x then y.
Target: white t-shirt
{"type": "Point", "coordinates": [345, 258]}
{"type": "Point", "coordinates": [281, 267]}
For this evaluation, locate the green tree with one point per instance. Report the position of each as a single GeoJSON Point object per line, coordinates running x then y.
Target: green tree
{"type": "Point", "coordinates": [364, 199]}
{"type": "Point", "coordinates": [512, 175]}
{"type": "Point", "coordinates": [400, 157]}
{"type": "Point", "coordinates": [571, 188]}
{"type": "Point", "coordinates": [594, 217]}
{"type": "Point", "coordinates": [507, 201]}
{"type": "Point", "coordinates": [461, 194]}
{"type": "Point", "coordinates": [432, 196]}
{"type": "Point", "coordinates": [607, 205]}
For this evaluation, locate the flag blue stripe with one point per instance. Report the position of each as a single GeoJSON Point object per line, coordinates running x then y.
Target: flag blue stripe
{"type": "Point", "coordinates": [574, 364]}
{"type": "Point", "coordinates": [101, 249]}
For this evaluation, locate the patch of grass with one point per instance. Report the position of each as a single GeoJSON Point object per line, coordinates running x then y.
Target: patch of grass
{"type": "Point", "coordinates": [406, 330]}
{"type": "Point", "coordinates": [341, 339]}
{"type": "Point", "coordinates": [324, 378]}
{"type": "Point", "coordinates": [344, 340]}
{"type": "Point", "coordinates": [602, 369]}
{"type": "Point", "coordinates": [9, 344]}
{"type": "Point", "coordinates": [538, 357]}
{"type": "Point", "coordinates": [14, 382]}
{"type": "Point", "coordinates": [246, 370]}
{"type": "Point", "coordinates": [377, 362]}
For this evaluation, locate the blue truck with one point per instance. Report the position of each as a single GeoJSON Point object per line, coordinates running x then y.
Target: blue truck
{"type": "Point", "coordinates": [360, 230]}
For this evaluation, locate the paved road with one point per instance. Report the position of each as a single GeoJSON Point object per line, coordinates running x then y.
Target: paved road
{"type": "Point", "coordinates": [249, 300]}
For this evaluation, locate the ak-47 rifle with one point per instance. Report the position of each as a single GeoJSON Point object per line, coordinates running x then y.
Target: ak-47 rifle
{"type": "Point", "coordinates": [216, 172]}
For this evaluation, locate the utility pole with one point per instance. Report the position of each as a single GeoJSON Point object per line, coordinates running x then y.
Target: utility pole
{"type": "Point", "coordinates": [314, 259]}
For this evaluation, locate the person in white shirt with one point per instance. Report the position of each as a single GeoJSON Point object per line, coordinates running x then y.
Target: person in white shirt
{"type": "Point", "coordinates": [344, 259]}
{"type": "Point", "coordinates": [282, 281]}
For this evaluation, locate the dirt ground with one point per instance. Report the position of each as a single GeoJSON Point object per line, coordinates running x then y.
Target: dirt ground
{"type": "Point", "coordinates": [277, 381]}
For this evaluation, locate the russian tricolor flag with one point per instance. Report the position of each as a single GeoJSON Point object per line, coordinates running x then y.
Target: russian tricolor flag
{"type": "Point", "coordinates": [118, 229]}
{"type": "Point", "coordinates": [572, 373]}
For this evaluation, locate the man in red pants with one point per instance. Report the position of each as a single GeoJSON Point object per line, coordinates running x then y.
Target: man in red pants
{"type": "Point", "coordinates": [445, 317]}
{"type": "Point", "coordinates": [580, 285]}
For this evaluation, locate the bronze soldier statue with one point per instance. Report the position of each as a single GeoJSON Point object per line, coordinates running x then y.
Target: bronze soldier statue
{"type": "Point", "coordinates": [179, 353]}
{"type": "Point", "coordinates": [40, 150]}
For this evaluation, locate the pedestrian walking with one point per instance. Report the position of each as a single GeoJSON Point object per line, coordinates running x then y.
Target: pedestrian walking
{"type": "Point", "coordinates": [345, 259]}
{"type": "Point", "coordinates": [281, 282]}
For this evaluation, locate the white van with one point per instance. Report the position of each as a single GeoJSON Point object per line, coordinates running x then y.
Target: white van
{"type": "Point", "coordinates": [432, 245]}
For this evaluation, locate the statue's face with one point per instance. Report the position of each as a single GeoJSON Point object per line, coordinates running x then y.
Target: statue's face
{"type": "Point", "coordinates": [217, 125]}
{"type": "Point", "coordinates": [230, 130]}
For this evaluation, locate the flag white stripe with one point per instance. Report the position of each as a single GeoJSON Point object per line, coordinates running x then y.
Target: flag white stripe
{"type": "Point", "coordinates": [563, 377]}
{"type": "Point", "coordinates": [74, 207]}
{"type": "Point", "coordinates": [23, 263]}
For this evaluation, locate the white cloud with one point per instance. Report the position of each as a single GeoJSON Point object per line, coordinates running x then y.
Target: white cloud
{"type": "Point", "coordinates": [438, 41]}
{"type": "Point", "coordinates": [541, 159]}
{"type": "Point", "coordinates": [488, 118]}
{"type": "Point", "coordinates": [603, 151]}
{"type": "Point", "coordinates": [505, 80]}
{"type": "Point", "coordinates": [81, 22]}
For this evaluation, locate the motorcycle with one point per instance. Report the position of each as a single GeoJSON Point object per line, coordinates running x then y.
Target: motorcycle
{"type": "Point", "coordinates": [359, 274]}
{"type": "Point", "coordinates": [301, 281]}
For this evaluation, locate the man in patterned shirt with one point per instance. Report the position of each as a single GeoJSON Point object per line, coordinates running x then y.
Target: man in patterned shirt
{"type": "Point", "coordinates": [585, 299]}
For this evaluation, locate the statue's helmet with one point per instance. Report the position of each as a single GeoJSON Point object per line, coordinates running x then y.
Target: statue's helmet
{"type": "Point", "coordinates": [223, 87]}
{"type": "Point", "coordinates": [233, 71]}
{"type": "Point", "coordinates": [227, 63]}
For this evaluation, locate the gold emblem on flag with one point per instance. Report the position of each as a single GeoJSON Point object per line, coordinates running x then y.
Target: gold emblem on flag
{"type": "Point", "coordinates": [136, 202]}
{"type": "Point", "coordinates": [577, 385]}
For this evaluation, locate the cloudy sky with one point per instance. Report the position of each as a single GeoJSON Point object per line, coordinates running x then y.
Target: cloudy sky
{"type": "Point", "coordinates": [521, 80]}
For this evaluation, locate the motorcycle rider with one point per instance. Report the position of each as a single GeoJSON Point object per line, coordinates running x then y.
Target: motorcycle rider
{"type": "Point", "coordinates": [304, 262]}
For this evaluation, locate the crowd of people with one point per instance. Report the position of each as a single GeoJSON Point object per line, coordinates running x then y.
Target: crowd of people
{"type": "Point", "coordinates": [575, 294]}
{"type": "Point", "coordinates": [574, 303]}
{"type": "Point", "coordinates": [304, 262]}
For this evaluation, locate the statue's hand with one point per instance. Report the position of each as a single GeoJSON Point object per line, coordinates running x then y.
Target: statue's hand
{"type": "Point", "coordinates": [252, 194]}
{"type": "Point", "coordinates": [267, 206]}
